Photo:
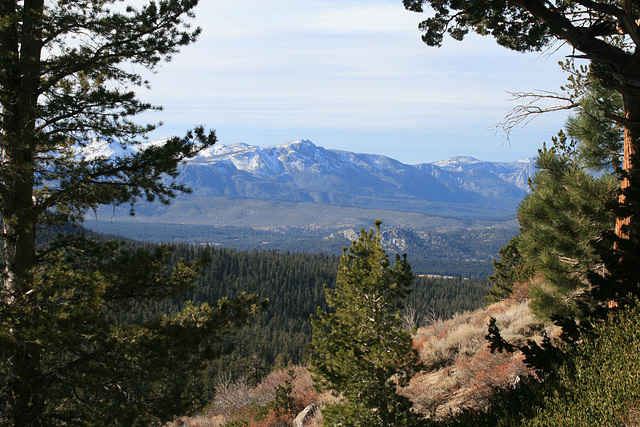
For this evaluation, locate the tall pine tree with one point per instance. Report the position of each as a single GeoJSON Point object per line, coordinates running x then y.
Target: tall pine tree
{"type": "Point", "coordinates": [360, 350]}
{"type": "Point", "coordinates": [73, 348]}
{"type": "Point", "coordinates": [561, 221]}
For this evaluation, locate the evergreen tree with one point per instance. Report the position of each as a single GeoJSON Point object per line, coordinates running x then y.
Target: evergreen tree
{"type": "Point", "coordinates": [561, 220]}
{"type": "Point", "coordinates": [361, 351]}
{"type": "Point", "coordinates": [600, 139]}
{"type": "Point", "coordinates": [600, 149]}
{"type": "Point", "coordinates": [509, 270]}
{"type": "Point", "coordinates": [567, 223]}
{"type": "Point", "coordinates": [73, 348]}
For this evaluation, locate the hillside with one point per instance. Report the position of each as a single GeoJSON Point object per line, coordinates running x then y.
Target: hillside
{"type": "Point", "coordinates": [461, 373]}
{"type": "Point", "coordinates": [465, 384]}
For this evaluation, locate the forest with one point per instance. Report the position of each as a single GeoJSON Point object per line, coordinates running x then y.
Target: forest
{"type": "Point", "coordinates": [293, 284]}
{"type": "Point", "coordinates": [450, 251]}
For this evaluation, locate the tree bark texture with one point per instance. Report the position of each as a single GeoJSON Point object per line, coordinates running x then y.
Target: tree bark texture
{"type": "Point", "coordinates": [20, 82]}
{"type": "Point", "coordinates": [630, 160]}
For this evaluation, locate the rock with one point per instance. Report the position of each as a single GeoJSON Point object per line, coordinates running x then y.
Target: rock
{"type": "Point", "coordinates": [305, 416]}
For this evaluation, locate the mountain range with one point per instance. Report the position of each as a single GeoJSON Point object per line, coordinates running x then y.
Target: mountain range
{"type": "Point", "coordinates": [327, 193]}
{"type": "Point", "coordinates": [301, 172]}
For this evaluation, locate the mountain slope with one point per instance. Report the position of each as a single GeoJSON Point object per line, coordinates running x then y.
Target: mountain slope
{"type": "Point", "coordinates": [299, 171]}
{"type": "Point", "coordinates": [300, 184]}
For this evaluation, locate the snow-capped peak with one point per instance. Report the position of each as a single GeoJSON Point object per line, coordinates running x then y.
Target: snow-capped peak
{"type": "Point", "coordinates": [100, 148]}
{"type": "Point", "coordinates": [457, 161]}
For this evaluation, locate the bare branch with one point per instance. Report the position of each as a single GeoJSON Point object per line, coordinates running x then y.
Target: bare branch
{"type": "Point", "coordinates": [526, 112]}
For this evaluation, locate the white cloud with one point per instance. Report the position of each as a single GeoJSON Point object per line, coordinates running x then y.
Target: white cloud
{"type": "Point", "coordinates": [365, 17]}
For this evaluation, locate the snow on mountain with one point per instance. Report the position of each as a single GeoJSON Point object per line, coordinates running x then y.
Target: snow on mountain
{"type": "Point", "coordinates": [513, 172]}
{"type": "Point", "coordinates": [101, 148]}
{"type": "Point", "coordinates": [457, 163]}
{"type": "Point", "coordinates": [98, 148]}
{"type": "Point", "coordinates": [300, 171]}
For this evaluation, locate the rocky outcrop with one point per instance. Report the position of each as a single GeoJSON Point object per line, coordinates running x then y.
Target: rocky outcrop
{"type": "Point", "coordinates": [306, 415]}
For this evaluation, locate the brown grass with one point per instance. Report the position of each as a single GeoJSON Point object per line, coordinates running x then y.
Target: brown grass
{"type": "Point", "coordinates": [236, 401]}
{"type": "Point", "coordinates": [461, 371]}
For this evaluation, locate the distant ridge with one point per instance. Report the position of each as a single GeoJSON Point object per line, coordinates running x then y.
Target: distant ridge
{"type": "Point", "coordinates": [300, 172]}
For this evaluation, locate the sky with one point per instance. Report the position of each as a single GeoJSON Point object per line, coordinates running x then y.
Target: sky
{"type": "Point", "coordinates": [352, 75]}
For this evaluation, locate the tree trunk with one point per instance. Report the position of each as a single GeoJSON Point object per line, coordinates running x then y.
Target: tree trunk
{"type": "Point", "coordinates": [20, 83]}
{"type": "Point", "coordinates": [630, 160]}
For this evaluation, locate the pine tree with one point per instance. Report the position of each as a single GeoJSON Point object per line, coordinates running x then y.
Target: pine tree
{"type": "Point", "coordinates": [567, 226]}
{"type": "Point", "coordinates": [74, 345]}
{"type": "Point", "coordinates": [508, 271]}
{"type": "Point", "coordinates": [561, 220]}
{"type": "Point", "coordinates": [361, 352]}
{"type": "Point", "coordinates": [600, 139]}
{"type": "Point", "coordinates": [566, 223]}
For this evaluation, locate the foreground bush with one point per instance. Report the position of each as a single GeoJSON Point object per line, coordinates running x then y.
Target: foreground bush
{"type": "Point", "coordinates": [596, 385]}
{"type": "Point", "coordinates": [461, 372]}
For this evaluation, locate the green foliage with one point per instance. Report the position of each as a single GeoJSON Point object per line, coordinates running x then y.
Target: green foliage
{"type": "Point", "coordinates": [361, 351]}
{"type": "Point", "coordinates": [600, 138]}
{"type": "Point", "coordinates": [293, 284]}
{"type": "Point", "coordinates": [104, 357]}
{"type": "Point", "coordinates": [523, 27]}
{"type": "Point", "coordinates": [80, 340]}
{"type": "Point", "coordinates": [513, 27]}
{"type": "Point", "coordinates": [512, 268]}
{"type": "Point", "coordinates": [597, 384]}
{"type": "Point", "coordinates": [567, 212]}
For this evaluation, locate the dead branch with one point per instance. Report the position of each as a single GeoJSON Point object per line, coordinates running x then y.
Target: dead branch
{"type": "Point", "coordinates": [524, 113]}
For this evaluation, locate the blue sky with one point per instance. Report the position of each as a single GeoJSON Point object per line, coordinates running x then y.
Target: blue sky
{"type": "Point", "coordinates": [351, 75]}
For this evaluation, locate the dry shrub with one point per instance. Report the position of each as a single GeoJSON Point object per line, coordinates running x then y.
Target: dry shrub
{"type": "Point", "coordinates": [518, 324]}
{"type": "Point", "coordinates": [273, 419]}
{"type": "Point", "coordinates": [520, 291]}
{"type": "Point", "coordinates": [238, 401]}
{"type": "Point", "coordinates": [236, 397]}
{"type": "Point", "coordinates": [442, 342]}
{"type": "Point", "coordinates": [481, 374]}
{"type": "Point", "coordinates": [505, 314]}
{"type": "Point", "coordinates": [199, 421]}
{"type": "Point", "coordinates": [428, 392]}
{"type": "Point", "coordinates": [632, 418]}
{"type": "Point", "coordinates": [303, 391]}
{"type": "Point", "coordinates": [463, 340]}
{"type": "Point", "coordinates": [461, 371]}
{"type": "Point", "coordinates": [467, 383]}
